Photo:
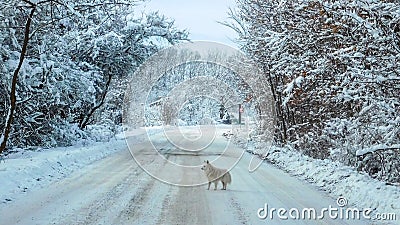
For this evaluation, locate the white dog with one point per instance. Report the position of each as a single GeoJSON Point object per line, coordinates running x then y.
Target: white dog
{"type": "Point", "coordinates": [215, 175]}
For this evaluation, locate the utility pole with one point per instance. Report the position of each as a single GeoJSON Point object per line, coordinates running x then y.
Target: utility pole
{"type": "Point", "coordinates": [240, 113]}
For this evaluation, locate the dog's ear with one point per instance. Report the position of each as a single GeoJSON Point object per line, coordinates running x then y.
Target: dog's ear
{"type": "Point", "coordinates": [208, 162]}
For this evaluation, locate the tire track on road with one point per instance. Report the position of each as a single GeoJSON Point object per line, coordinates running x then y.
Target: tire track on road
{"type": "Point", "coordinates": [133, 210]}
{"type": "Point", "coordinates": [237, 210]}
{"type": "Point", "coordinates": [143, 206]}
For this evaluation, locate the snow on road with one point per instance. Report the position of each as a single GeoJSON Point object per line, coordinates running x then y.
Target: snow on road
{"type": "Point", "coordinates": [26, 171]}
{"type": "Point", "coordinates": [115, 190]}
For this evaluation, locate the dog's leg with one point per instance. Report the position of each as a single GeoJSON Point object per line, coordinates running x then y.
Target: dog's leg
{"type": "Point", "coordinates": [223, 185]}
{"type": "Point", "coordinates": [215, 185]}
{"type": "Point", "coordinates": [209, 183]}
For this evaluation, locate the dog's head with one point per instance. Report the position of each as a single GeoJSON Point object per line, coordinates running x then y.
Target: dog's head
{"type": "Point", "coordinates": [206, 165]}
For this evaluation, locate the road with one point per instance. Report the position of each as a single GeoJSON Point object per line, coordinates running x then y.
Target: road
{"type": "Point", "coordinates": [116, 190]}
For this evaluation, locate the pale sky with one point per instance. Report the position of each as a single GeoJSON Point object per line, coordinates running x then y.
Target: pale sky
{"type": "Point", "coordinates": [199, 17]}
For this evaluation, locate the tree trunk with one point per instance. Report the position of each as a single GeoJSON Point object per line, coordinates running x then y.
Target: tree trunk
{"type": "Point", "coordinates": [13, 95]}
{"type": "Point", "coordinates": [86, 120]}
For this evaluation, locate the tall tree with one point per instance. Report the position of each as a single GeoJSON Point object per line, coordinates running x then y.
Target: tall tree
{"type": "Point", "coordinates": [13, 96]}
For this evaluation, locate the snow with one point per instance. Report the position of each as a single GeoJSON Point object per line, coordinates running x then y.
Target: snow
{"type": "Point", "coordinates": [25, 171]}
{"type": "Point", "coordinates": [299, 80]}
{"type": "Point", "coordinates": [2, 138]}
{"type": "Point", "coordinates": [375, 148]}
{"type": "Point", "coordinates": [289, 89]}
{"type": "Point", "coordinates": [339, 180]}
{"type": "Point", "coordinates": [117, 191]}
{"type": "Point", "coordinates": [333, 177]}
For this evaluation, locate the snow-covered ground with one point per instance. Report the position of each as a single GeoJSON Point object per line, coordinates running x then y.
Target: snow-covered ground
{"type": "Point", "coordinates": [359, 189]}
{"type": "Point", "coordinates": [101, 184]}
{"type": "Point", "coordinates": [25, 171]}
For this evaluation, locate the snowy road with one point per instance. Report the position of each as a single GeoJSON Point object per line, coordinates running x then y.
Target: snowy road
{"type": "Point", "coordinates": [116, 190]}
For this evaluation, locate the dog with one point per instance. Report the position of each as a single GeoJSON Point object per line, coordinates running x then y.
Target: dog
{"type": "Point", "coordinates": [215, 175]}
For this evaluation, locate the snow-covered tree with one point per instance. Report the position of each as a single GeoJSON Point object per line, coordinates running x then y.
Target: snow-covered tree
{"type": "Point", "coordinates": [194, 91]}
{"type": "Point", "coordinates": [78, 59]}
{"type": "Point", "coordinates": [333, 70]}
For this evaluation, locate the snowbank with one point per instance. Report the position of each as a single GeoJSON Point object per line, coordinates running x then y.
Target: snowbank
{"type": "Point", "coordinates": [336, 179]}
{"type": "Point", "coordinates": [358, 188]}
{"type": "Point", "coordinates": [24, 171]}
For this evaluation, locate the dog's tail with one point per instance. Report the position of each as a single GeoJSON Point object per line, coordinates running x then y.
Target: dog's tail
{"type": "Point", "coordinates": [228, 177]}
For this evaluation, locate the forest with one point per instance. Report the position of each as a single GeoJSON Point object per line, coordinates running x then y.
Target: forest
{"type": "Point", "coordinates": [333, 68]}
{"type": "Point", "coordinates": [65, 66]}
{"type": "Point", "coordinates": [334, 71]}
